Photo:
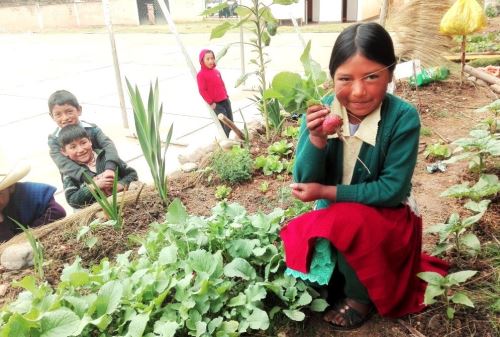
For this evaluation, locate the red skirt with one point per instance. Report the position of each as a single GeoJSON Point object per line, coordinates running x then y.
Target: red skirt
{"type": "Point", "coordinates": [382, 245]}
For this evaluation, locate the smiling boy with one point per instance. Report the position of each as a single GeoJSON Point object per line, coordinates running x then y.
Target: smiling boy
{"type": "Point", "coordinates": [76, 145]}
{"type": "Point", "coordinates": [65, 110]}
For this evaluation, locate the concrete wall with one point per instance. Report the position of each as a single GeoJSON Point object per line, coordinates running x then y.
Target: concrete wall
{"type": "Point", "coordinates": [187, 10]}
{"type": "Point", "coordinates": [368, 9]}
{"type": "Point", "coordinates": [38, 18]}
{"type": "Point", "coordinates": [283, 12]}
{"type": "Point", "coordinates": [327, 10]}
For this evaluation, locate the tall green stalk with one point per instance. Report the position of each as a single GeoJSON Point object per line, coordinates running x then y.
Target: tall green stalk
{"type": "Point", "coordinates": [112, 208]}
{"type": "Point", "coordinates": [259, 15]}
{"type": "Point", "coordinates": [147, 125]}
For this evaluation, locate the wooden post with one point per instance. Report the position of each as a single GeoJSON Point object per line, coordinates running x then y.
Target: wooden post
{"type": "Point", "coordinates": [383, 12]}
{"type": "Point", "coordinates": [118, 78]}
{"type": "Point", "coordinates": [232, 126]}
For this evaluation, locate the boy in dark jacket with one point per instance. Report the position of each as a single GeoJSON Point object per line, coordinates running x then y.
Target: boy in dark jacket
{"type": "Point", "coordinates": [65, 110]}
{"type": "Point", "coordinates": [76, 145]}
{"type": "Point", "coordinates": [212, 88]}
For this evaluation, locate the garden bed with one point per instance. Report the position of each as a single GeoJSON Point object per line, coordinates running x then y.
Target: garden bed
{"type": "Point", "coordinates": [447, 112]}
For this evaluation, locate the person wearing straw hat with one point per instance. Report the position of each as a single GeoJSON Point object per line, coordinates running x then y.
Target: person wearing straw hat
{"type": "Point", "coordinates": [31, 204]}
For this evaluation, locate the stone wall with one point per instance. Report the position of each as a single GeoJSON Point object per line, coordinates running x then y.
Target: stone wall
{"type": "Point", "coordinates": [37, 18]}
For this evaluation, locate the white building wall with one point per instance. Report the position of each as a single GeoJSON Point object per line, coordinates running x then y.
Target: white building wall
{"type": "Point", "coordinates": [38, 18]}
{"type": "Point", "coordinates": [327, 10]}
{"type": "Point", "coordinates": [296, 10]}
{"type": "Point", "coordinates": [368, 9]}
{"type": "Point", "coordinates": [187, 10]}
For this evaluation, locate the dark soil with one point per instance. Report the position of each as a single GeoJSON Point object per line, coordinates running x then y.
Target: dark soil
{"type": "Point", "coordinates": [447, 109]}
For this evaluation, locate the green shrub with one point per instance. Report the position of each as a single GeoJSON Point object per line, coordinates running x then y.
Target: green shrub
{"type": "Point", "coordinates": [491, 11]}
{"type": "Point", "coordinates": [485, 62]}
{"type": "Point", "coordinates": [233, 166]}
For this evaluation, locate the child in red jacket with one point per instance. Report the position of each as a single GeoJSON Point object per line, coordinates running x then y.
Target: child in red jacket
{"type": "Point", "coordinates": [212, 88]}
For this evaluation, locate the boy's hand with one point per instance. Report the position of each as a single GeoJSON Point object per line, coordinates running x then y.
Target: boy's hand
{"type": "Point", "coordinates": [108, 174]}
{"type": "Point", "coordinates": [213, 105]}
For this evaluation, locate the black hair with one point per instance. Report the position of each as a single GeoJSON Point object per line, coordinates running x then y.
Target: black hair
{"type": "Point", "coordinates": [71, 133]}
{"type": "Point", "coordinates": [369, 39]}
{"type": "Point", "coordinates": [61, 97]}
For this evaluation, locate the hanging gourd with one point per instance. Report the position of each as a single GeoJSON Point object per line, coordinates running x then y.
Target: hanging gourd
{"type": "Point", "coordinates": [463, 18]}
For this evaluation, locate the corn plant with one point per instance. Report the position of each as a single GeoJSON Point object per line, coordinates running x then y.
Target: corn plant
{"type": "Point", "coordinates": [456, 233]}
{"type": "Point", "coordinates": [262, 25]}
{"type": "Point", "coordinates": [37, 249]}
{"type": "Point", "coordinates": [147, 125]}
{"type": "Point", "coordinates": [443, 287]}
{"type": "Point", "coordinates": [112, 208]}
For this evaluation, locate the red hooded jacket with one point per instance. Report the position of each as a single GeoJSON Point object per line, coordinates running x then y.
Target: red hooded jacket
{"type": "Point", "coordinates": [210, 83]}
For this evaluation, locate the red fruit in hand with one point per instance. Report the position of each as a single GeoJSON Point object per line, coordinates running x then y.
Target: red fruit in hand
{"type": "Point", "coordinates": [331, 124]}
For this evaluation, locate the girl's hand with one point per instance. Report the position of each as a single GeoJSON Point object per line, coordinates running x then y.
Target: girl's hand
{"type": "Point", "coordinates": [315, 115]}
{"type": "Point", "coordinates": [307, 191]}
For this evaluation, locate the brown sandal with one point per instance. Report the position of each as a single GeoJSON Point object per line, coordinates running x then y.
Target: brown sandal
{"type": "Point", "coordinates": [353, 318]}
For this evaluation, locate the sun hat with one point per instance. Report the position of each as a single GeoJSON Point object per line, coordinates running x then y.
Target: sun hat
{"type": "Point", "coordinates": [19, 171]}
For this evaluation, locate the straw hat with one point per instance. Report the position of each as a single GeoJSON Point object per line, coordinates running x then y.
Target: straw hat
{"type": "Point", "coordinates": [19, 171]}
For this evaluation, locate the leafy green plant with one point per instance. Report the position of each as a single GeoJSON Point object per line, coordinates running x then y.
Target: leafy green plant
{"type": "Point", "coordinates": [291, 132]}
{"type": "Point", "coordinates": [442, 289]}
{"type": "Point", "coordinates": [264, 186]}
{"type": "Point", "coordinates": [263, 26]}
{"type": "Point", "coordinates": [192, 276]}
{"type": "Point", "coordinates": [269, 164]}
{"type": "Point", "coordinates": [37, 249]}
{"type": "Point", "coordinates": [484, 62]}
{"type": "Point", "coordinates": [487, 186]}
{"type": "Point", "coordinates": [293, 91]}
{"type": "Point", "coordinates": [147, 125]}
{"type": "Point", "coordinates": [222, 192]}
{"type": "Point", "coordinates": [280, 148]}
{"type": "Point", "coordinates": [455, 234]}
{"type": "Point", "coordinates": [85, 232]}
{"type": "Point", "coordinates": [112, 208]}
{"type": "Point", "coordinates": [233, 166]}
{"type": "Point", "coordinates": [491, 11]}
{"type": "Point", "coordinates": [477, 148]}
{"type": "Point", "coordinates": [437, 151]}
{"type": "Point", "coordinates": [425, 131]}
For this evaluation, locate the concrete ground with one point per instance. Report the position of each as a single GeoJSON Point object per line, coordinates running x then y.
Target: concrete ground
{"type": "Point", "coordinates": [35, 65]}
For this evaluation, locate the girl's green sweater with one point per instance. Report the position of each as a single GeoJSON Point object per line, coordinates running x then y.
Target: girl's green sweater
{"type": "Point", "coordinates": [391, 161]}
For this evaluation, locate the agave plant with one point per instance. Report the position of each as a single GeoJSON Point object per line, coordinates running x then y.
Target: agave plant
{"type": "Point", "coordinates": [147, 125]}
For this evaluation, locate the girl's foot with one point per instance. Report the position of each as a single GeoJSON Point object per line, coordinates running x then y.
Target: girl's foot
{"type": "Point", "coordinates": [348, 314]}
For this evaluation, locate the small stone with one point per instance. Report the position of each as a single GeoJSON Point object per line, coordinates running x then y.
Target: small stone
{"type": "Point", "coordinates": [3, 289]}
{"type": "Point", "coordinates": [17, 256]}
{"type": "Point", "coordinates": [189, 167]}
{"type": "Point", "coordinates": [228, 144]}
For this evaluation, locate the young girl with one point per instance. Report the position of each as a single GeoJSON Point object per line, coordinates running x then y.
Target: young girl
{"type": "Point", "coordinates": [369, 235]}
{"type": "Point", "coordinates": [212, 88]}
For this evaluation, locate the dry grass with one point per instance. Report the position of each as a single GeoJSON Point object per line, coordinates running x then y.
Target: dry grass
{"type": "Point", "coordinates": [416, 31]}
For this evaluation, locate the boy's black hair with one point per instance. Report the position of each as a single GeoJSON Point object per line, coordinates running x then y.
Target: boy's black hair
{"type": "Point", "coordinates": [70, 133]}
{"type": "Point", "coordinates": [61, 97]}
{"type": "Point", "coordinates": [369, 39]}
